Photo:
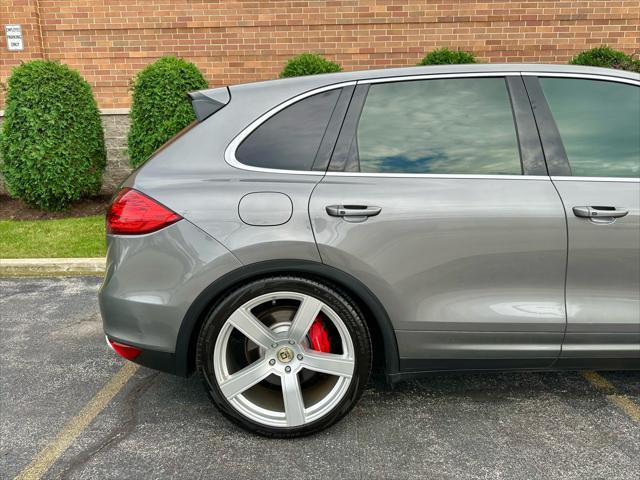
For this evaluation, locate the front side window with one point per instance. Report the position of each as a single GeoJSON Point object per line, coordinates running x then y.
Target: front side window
{"type": "Point", "coordinates": [599, 123]}
{"type": "Point", "coordinates": [290, 139]}
{"type": "Point", "coordinates": [441, 126]}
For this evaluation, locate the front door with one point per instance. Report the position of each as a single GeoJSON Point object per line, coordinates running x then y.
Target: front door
{"type": "Point", "coordinates": [593, 140]}
{"type": "Point", "coordinates": [439, 202]}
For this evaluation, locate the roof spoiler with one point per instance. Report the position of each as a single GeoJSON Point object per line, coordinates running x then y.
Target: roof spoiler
{"type": "Point", "coordinates": [207, 102]}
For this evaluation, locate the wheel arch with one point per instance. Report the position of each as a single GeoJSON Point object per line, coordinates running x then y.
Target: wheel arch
{"type": "Point", "coordinates": [375, 314]}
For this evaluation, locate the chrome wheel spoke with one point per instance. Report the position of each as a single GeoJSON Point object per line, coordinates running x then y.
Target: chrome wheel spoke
{"type": "Point", "coordinates": [328, 363]}
{"type": "Point", "coordinates": [245, 378]}
{"type": "Point", "coordinates": [306, 314]}
{"type": "Point", "coordinates": [293, 402]}
{"type": "Point", "coordinates": [253, 328]}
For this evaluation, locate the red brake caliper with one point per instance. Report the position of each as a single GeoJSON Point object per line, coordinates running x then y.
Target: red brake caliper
{"type": "Point", "coordinates": [319, 336]}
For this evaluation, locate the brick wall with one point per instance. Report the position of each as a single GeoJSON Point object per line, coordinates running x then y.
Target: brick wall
{"type": "Point", "coordinates": [239, 41]}
{"type": "Point", "coordinates": [25, 13]}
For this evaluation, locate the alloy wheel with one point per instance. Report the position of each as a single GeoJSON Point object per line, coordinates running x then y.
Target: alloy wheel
{"type": "Point", "coordinates": [270, 365]}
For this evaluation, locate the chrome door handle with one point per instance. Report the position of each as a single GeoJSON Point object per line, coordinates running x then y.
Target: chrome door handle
{"type": "Point", "coordinates": [600, 212]}
{"type": "Point", "coordinates": [352, 210]}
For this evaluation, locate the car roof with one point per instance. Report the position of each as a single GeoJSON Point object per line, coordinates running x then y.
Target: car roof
{"type": "Point", "coordinates": [479, 68]}
{"type": "Point", "coordinates": [288, 87]}
{"type": "Point", "coordinates": [330, 78]}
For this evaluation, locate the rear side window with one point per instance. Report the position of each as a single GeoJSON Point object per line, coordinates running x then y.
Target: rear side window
{"type": "Point", "coordinates": [290, 139]}
{"type": "Point", "coordinates": [599, 123]}
{"type": "Point", "coordinates": [443, 126]}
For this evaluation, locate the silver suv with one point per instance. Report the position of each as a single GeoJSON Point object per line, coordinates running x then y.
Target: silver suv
{"type": "Point", "coordinates": [306, 233]}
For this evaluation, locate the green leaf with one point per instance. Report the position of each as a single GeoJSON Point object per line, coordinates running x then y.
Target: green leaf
{"type": "Point", "coordinates": [606, 57]}
{"type": "Point", "coordinates": [160, 106]}
{"type": "Point", "coordinates": [308, 64]}
{"type": "Point", "coordinates": [52, 140]}
{"type": "Point", "coordinates": [444, 56]}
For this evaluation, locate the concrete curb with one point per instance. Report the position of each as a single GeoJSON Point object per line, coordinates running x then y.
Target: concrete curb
{"type": "Point", "coordinates": [47, 267]}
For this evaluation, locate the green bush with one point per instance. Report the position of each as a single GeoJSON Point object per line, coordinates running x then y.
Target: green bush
{"type": "Point", "coordinates": [160, 106]}
{"type": "Point", "coordinates": [308, 64]}
{"type": "Point", "coordinates": [444, 56]}
{"type": "Point", "coordinates": [608, 58]}
{"type": "Point", "coordinates": [52, 142]}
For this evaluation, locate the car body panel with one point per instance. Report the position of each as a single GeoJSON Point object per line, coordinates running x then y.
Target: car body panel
{"type": "Point", "coordinates": [603, 271]}
{"type": "Point", "coordinates": [454, 255]}
{"type": "Point", "coordinates": [152, 280]}
{"type": "Point", "coordinates": [208, 193]}
{"type": "Point", "coordinates": [603, 279]}
{"type": "Point", "coordinates": [603, 265]}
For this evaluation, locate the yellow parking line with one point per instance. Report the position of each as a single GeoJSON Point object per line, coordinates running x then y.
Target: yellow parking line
{"type": "Point", "coordinates": [627, 405]}
{"type": "Point", "coordinates": [623, 402]}
{"type": "Point", "coordinates": [598, 381]}
{"type": "Point", "coordinates": [74, 427]}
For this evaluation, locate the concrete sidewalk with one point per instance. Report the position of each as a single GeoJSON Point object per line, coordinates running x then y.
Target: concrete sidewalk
{"type": "Point", "coordinates": [47, 267]}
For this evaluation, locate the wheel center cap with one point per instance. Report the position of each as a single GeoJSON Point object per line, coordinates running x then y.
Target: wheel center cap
{"type": "Point", "coordinates": [285, 354]}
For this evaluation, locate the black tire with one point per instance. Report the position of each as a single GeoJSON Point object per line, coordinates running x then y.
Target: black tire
{"type": "Point", "coordinates": [346, 309]}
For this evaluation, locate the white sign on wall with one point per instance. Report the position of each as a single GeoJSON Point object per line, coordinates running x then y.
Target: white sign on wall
{"type": "Point", "coordinates": [14, 38]}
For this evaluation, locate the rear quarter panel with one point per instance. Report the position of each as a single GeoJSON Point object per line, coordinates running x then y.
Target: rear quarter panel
{"type": "Point", "coordinates": [191, 177]}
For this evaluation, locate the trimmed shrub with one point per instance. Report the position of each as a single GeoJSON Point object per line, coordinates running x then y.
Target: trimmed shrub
{"type": "Point", "coordinates": [308, 64]}
{"type": "Point", "coordinates": [444, 56]}
{"type": "Point", "coordinates": [160, 107]}
{"type": "Point", "coordinates": [52, 142]}
{"type": "Point", "coordinates": [608, 58]}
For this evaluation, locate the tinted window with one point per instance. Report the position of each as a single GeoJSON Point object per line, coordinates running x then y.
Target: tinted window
{"type": "Point", "coordinates": [449, 126]}
{"type": "Point", "coordinates": [599, 123]}
{"type": "Point", "coordinates": [289, 140]}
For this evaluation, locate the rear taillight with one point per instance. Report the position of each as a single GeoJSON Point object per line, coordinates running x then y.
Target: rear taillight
{"type": "Point", "coordinates": [133, 213]}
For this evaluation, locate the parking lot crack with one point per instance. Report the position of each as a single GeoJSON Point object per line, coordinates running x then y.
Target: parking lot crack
{"type": "Point", "coordinates": [128, 419]}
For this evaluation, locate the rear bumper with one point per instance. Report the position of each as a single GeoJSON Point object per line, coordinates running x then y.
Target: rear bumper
{"type": "Point", "coordinates": [162, 361]}
{"type": "Point", "coordinates": [150, 283]}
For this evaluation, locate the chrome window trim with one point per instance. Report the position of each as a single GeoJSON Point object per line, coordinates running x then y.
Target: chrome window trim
{"type": "Point", "coordinates": [596, 179]}
{"type": "Point", "coordinates": [436, 76]}
{"type": "Point", "coordinates": [230, 151]}
{"type": "Point", "coordinates": [587, 76]}
{"type": "Point", "coordinates": [438, 175]}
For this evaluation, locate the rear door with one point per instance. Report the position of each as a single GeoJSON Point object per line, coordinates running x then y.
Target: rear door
{"type": "Point", "coordinates": [438, 199]}
{"type": "Point", "coordinates": [591, 134]}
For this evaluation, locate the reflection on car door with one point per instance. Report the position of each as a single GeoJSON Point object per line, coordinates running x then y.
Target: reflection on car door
{"type": "Point", "coordinates": [438, 204]}
{"type": "Point", "coordinates": [592, 141]}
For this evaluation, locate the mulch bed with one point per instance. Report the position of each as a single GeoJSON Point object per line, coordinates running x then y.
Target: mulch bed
{"type": "Point", "coordinates": [11, 209]}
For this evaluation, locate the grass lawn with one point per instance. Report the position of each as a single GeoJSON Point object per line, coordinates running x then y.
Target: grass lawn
{"type": "Point", "coordinates": [67, 237]}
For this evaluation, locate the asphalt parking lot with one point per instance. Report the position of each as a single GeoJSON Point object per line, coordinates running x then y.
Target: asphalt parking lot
{"type": "Point", "coordinates": [62, 387]}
